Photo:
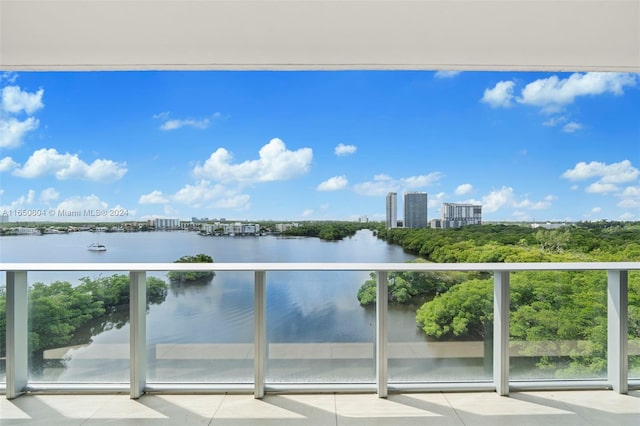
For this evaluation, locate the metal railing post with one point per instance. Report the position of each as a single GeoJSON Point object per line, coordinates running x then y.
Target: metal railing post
{"type": "Point", "coordinates": [501, 332]}
{"type": "Point", "coordinates": [382, 301]}
{"type": "Point", "coordinates": [138, 332]}
{"type": "Point", "coordinates": [260, 334]}
{"type": "Point", "coordinates": [617, 326]}
{"type": "Point", "coordinates": [17, 333]}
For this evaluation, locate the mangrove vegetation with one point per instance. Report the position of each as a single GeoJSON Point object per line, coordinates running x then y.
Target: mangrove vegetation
{"type": "Point", "coordinates": [549, 309]}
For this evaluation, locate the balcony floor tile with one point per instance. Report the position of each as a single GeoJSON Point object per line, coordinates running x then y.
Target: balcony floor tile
{"type": "Point", "coordinates": [548, 408]}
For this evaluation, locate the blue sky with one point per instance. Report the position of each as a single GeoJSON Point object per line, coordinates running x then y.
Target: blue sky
{"type": "Point", "coordinates": [320, 145]}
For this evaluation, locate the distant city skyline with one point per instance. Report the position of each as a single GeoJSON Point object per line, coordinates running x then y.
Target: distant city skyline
{"type": "Point", "coordinates": [318, 145]}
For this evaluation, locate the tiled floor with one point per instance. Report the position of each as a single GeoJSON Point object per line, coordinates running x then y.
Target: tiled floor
{"type": "Point", "coordinates": [564, 408]}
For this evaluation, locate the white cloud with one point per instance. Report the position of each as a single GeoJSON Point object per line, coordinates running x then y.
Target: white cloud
{"type": "Point", "coordinates": [333, 184]}
{"type": "Point", "coordinates": [596, 210]}
{"type": "Point", "coordinates": [497, 199]}
{"type": "Point", "coordinates": [169, 211]}
{"type": "Point", "coordinates": [22, 201]}
{"type": "Point", "coordinates": [173, 124]}
{"type": "Point", "coordinates": [12, 131]}
{"type": "Point", "coordinates": [414, 182]}
{"type": "Point", "coordinates": [446, 74]}
{"type": "Point", "coordinates": [629, 204]}
{"type": "Point", "coordinates": [601, 188]}
{"type": "Point", "coordinates": [505, 197]}
{"type": "Point", "coordinates": [31, 195]}
{"type": "Point", "coordinates": [500, 96]}
{"type": "Point", "coordinates": [7, 164]}
{"type": "Point", "coordinates": [203, 193]}
{"type": "Point", "coordinates": [154, 197]}
{"type": "Point", "coordinates": [464, 189]}
{"type": "Point", "coordinates": [609, 173]}
{"type": "Point", "coordinates": [176, 124]}
{"type": "Point", "coordinates": [626, 216]}
{"type": "Point", "coordinates": [9, 76]}
{"type": "Point", "coordinates": [307, 213]}
{"type": "Point", "coordinates": [630, 197]}
{"type": "Point", "coordinates": [80, 203]}
{"type": "Point", "coordinates": [275, 163]}
{"type": "Point", "coordinates": [14, 100]}
{"type": "Point", "coordinates": [555, 121]}
{"type": "Point", "coordinates": [631, 192]}
{"type": "Point", "coordinates": [532, 205]}
{"type": "Point", "coordinates": [162, 115]}
{"type": "Point", "coordinates": [236, 202]}
{"type": "Point", "coordinates": [45, 162]}
{"type": "Point", "coordinates": [342, 150]}
{"type": "Point", "coordinates": [382, 184]}
{"type": "Point", "coordinates": [382, 177]}
{"type": "Point", "coordinates": [435, 200]}
{"type": "Point", "coordinates": [49, 194]}
{"type": "Point", "coordinates": [552, 93]}
{"type": "Point", "coordinates": [571, 127]}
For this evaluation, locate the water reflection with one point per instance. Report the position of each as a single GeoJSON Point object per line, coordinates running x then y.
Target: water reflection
{"type": "Point", "coordinates": [311, 307]}
{"type": "Point", "coordinates": [181, 287]}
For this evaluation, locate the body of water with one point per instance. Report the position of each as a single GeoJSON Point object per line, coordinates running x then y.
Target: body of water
{"type": "Point", "coordinates": [302, 307]}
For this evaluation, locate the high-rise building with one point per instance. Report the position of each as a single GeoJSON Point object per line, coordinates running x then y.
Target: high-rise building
{"type": "Point", "coordinates": [392, 210]}
{"type": "Point", "coordinates": [415, 210]}
{"type": "Point", "coordinates": [457, 215]}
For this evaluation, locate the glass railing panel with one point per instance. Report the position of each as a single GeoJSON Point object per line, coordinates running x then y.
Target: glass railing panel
{"type": "Point", "coordinates": [634, 325]}
{"type": "Point", "coordinates": [78, 327]}
{"type": "Point", "coordinates": [440, 327]}
{"type": "Point", "coordinates": [558, 325]}
{"type": "Point", "coordinates": [3, 335]}
{"type": "Point", "coordinates": [200, 327]}
{"type": "Point", "coordinates": [317, 332]}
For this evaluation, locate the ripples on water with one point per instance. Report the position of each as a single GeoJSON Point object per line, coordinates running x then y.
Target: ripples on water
{"type": "Point", "coordinates": [302, 307]}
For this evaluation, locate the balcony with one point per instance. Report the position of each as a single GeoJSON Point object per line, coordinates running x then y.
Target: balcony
{"type": "Point", "coordinates": [601, 408]}
{"type": "Point", "coordinates": [385, 365]}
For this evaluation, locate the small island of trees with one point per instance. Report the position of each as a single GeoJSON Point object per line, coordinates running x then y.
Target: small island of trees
{"type": "Point", "coordinates": [329, 230]}
{"type": "Point", "coordinates": [192, 276]}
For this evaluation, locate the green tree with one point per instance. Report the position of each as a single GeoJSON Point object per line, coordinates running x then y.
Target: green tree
{"type": "Point", "coordinates": [464, 310]}
{"type": "Point", "coordinates": [554, 240]}
{"type": "Point", "coordinates": [56, 311]}
{"type": "Point", "coordinates": [410, 287]}
{"type": "Point", "coordinates": [59, 313]}
{"type": "Point", "coordinates": [367, 291]}
{"type": "Point", "coordinates": [331, 230]}
{"type": "Point", "coordinates": [562, 312]}
{"type": "Point", "coordinates": [192, 276]}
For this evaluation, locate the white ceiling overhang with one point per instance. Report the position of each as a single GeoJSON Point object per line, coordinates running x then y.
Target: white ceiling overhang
{"type": "Point", "coordinates": [557, 35]}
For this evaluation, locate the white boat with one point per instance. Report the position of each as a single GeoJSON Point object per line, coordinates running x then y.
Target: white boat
{"type": "Point", "coordinates": [97, 247]}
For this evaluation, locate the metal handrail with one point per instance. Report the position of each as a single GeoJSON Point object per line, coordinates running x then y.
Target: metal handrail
{"type": "Point", "coordinates": [324, 266]}
{"type": "Point", "coordinates": [17, 320]}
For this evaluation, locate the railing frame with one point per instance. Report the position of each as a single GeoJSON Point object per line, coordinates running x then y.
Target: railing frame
{"type": "Point", "coordinates": [501, 332]}
{"type": "Point", "coordinates": [17, 325]}
{"type": "Point", "coordinates": [138, 333]}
